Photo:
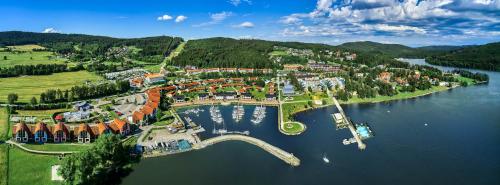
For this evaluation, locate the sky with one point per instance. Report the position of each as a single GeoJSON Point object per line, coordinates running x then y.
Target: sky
{"type": "Point", "coordinates": [408, 22]}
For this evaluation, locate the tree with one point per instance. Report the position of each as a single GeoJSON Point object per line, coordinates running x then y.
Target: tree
{"type": "Point", "coordinates": [12, 98]}
{"type": "Point", "coordinates": [33, 101]}
{"type": "Point", "coordinates": [4, 57]}
{"type": "Point", "coordinates": [100, 164]}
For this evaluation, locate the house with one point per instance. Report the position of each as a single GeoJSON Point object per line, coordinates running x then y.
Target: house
{"type": "Point", "coordinates": [218, 96]}
{"type": "Point", "coordinates": [246, 96]}
{"type": "Point", "coordinates": [136, 82]}
{"type": "Point", "coordinates": [149, 112]}
{"type": "Point", "coordinates": [385, 77]}
{"type": "Point", "coordinates": [246, 70]}
{"type": "Point", "coordinates": [153, 78]}
{"type": "Point", "coordinates": [351, 57]}
{"type": "Point", "coordinates": [293, 67]}
{"type": "Point", "coordinates": [100, 129]}
{"type": "Point", "coordinates": [203, 96]}
{"type": "Point", "coordinates": [120, 127]}
{"type": "Point", "coordinates": [137, 118]}
{"type": "Point", "coordinates": [21, 132]}
{"type": "Point", "coordinates": [229, 95]}
{"type": "Point", "coordinates": [270, 97]}
{"type": "Point", "coordinates": [83, 133]}
{"type": "Point", "coordinates": [82, 106]}
{"type": "Point", "coordinates": [288, 90]}
{"type": "Point", "coordinates": [60, 133]}
{"type": "Point", "coordinates": [41, 133]}
{"type": "Point", "coordinates": [179, 98]}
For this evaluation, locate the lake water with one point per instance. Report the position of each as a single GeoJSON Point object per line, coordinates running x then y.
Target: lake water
{"type": "Point", "coordinates": [459, 145]}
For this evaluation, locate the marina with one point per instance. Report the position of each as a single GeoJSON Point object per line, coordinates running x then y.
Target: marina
{"type": "Point", "coordinates": [258, 114]}
{"type": "Point", "coordinates": [238, 112]}
{"type": "Point", "coordinates": [216, 115]}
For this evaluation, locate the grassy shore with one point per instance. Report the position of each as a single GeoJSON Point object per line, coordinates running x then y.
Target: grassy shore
{"type": "Point", "coordinates": [399, 96]}
{"type": "Point", "coordinates": [32, 86]}
{"type": "Point", "coordinates": [26, 168]}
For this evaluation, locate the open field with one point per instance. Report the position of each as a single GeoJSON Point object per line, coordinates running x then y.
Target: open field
{"type": "Point", "coordinates": [28, 58]}
{"type": "Point", "coordinates": [27, 47]}
{"type": "Point", "coordinates": [469, 81]}
{"type": "Point", "coordinates": [26, 168]}
{"type": "Point", "coordinates": [4, 126]}
{"type": "Point", "coordinates": [28, 86]}
{"type": "Point", "coordinates": [4, 159]}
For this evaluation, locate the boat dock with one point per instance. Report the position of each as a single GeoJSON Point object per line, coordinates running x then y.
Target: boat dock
{"type": "Point", "coordinates": [350, 125]}
{"type": "Point", "coordinates": [279, 153]}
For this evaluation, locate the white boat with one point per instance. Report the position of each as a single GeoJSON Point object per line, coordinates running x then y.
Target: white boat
{"type": "Point", "coordinates": [325, 159]}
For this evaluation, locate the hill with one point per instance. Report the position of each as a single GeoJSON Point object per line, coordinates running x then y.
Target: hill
{"type": "Point", "coordinates": [86, 47]}
{"type": "Point", "coordinates": [393, 50]}
{"type": "Point", "coordinates": [242, 53]}
{"type": "Point", "coordinates": [485, 57]}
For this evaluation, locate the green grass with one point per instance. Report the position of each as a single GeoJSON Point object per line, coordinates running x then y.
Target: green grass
{"type": "Point", "coordinates": [27, 47]}
{"type": "Point", "coordinates": [26, 168]}
{"type": "Point", "coordinates": [399, 96]}
{"type": "Point", "coordinates": [278, 53]}
{"type": "Point", "coordinates": [153, 68]}
{"type": "Point", "coordinates": [290, 108]}
{"type": "Point", "coordinates": [58, 147]}
{"type": "Point", "coordinates": [176, 52]}
{"type": "Point", "coordinates": [4, 152]}
{"type": "Point", "coordinates": [32, 86]}
{"type": "Point", "coordinates": [40, 114]}
{"type": "Point", "coordinates": [4, 124]}
{"type": "Point", "coordinates": [28, 58]}
{"type": "Point", "coordinates": [293, 127]}
{"type": "Point", "coordinates": [469, 81]}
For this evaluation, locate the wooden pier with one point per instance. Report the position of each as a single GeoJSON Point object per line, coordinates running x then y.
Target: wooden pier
{"type": "Point", "coordinates": [350, 125]}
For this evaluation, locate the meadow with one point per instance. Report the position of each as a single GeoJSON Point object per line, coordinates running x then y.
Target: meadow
{"type": "Point", "coordinates": [32, 86]}
{"type": "Point", "coordinates": [37, 166]}
{"type": "Point", "coordinates": [25, 56]}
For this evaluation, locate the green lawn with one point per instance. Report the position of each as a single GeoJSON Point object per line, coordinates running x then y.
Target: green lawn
{"type": "Point", "coordinates": [399, 96]}
{"type": "Point", "coordinates": [293, 127]}
{"type": "Point", "coordinates": [32, 86]}
{"type": "Point", "coordinates": [40, 114]}
{"type": "Point", "coordinates": [290, 108]}
{"type": "Point", "coordinates": [4, 152]}
{"type": "Point", "coordinates": [469, 81]}
{"type": "Point", "coordinates": [58, 147]}
{"type": "Point", "coordinates": [26, 168]}
{"type": "Point", "coordinates": [28, 58]}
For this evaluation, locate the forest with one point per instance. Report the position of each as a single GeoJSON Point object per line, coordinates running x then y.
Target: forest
{"type": "Point", "coordinates": [86, 47]}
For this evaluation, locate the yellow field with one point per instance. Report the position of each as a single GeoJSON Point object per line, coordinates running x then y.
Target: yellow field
{"type": "Point", "coordinates": [28, 47]}
{"type": "Point", "coordinates": [32, 86]}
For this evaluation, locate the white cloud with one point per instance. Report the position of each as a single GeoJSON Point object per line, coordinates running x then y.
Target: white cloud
{"type": "Point", "coordinates": [216, 18]}
{"type": "Point", "coordinates": [164, 18]}
{"type": "Point", "coordinates": [245, 25]}
{"type": "Point", "coordinates": [50, 30]}
{"type": "Point", "coordinates": [180, 18]}
{"type": "Point", "coordinates": [238, 2]}
{"type": "Point", "coordinates": [390, 28]}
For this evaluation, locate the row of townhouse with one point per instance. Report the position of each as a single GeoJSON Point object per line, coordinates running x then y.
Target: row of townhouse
{"type": "Point", "coordinates": [147, 113]}
{"type": "Point", "coordinates": [227, 70]}
{"type": "Point", "coordinates": [60, 132]}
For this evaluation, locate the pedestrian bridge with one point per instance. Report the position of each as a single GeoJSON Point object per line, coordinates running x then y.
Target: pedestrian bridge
{"type": "Point", "coordinates": [279, 153]}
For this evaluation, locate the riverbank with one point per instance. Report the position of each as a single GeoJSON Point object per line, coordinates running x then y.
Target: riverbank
{"type": "Point", "coordinates": [399, 96]}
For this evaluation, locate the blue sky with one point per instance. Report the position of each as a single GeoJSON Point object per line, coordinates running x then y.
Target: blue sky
{"type": "Point", "coordinates": [409, 22]}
